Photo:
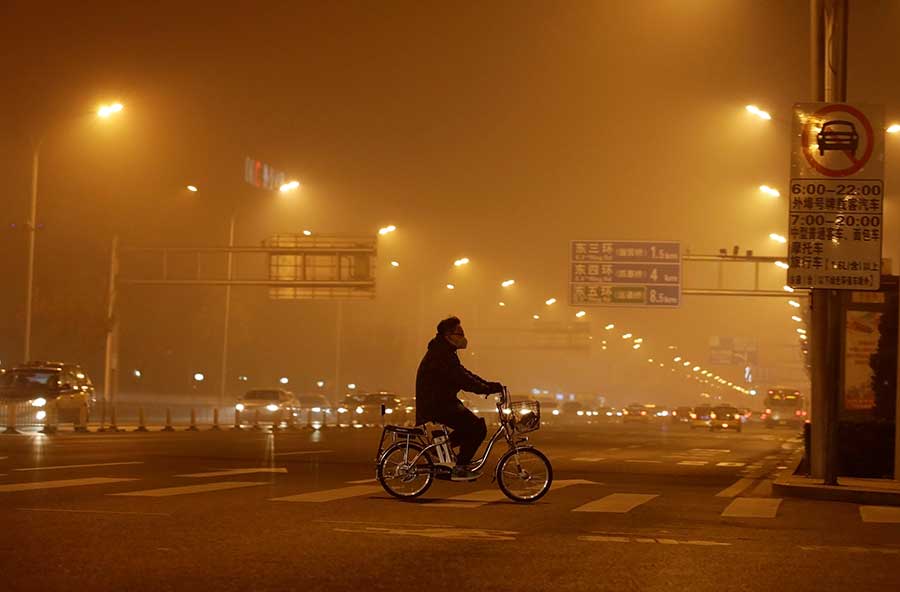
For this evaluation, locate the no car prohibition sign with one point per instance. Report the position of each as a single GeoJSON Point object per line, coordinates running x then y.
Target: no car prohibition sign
{"type": "Point", "coordinates": [837, 135]}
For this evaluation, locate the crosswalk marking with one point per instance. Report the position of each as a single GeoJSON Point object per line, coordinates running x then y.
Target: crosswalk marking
{"type": "Point", "coordinates": [752, 507]}
{"type": "Point", "coordinates": [360, 481]}
{"type": "Point", "coordinates": [34, 485]}
{"type": "Point", "coordinates": [617, 503]}
{"type": "Point", "coordinates": [880, 514]}
{"type": "Point", "coordinates": [588, 459]}
{"type": "Point", "coordinates": [694, 463]}
{"type": "Point", "coordinates": [330, 495]}
{"type": "Point", "coordinates": [736, 488]}
{"type": "Point", "coordinates": [730, 464]}
{"type": "Point", "coordinates": [230, 472]}
{"type": "Point", "coordinates": [476, 499]}
{"type": "Point", "coordinates": [299, 452]}
{"type": "Point", "coordinates": [109, 464]}
{"type": "Point", "coordinates": [635, 460]}
{"type": "Point", "coordinates": [188, 489]}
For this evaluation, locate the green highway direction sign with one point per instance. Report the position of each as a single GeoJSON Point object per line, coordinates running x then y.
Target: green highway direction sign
{"type": "Point", "coordinates": [625, 273]}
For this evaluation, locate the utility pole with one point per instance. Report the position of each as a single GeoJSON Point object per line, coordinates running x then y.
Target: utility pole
{"type": "Point", "coordinates": [31, 227]}
{"type": "Point", "coordinates": [828, 77]}
{"type": "Point", "coordinates": [223, 382]}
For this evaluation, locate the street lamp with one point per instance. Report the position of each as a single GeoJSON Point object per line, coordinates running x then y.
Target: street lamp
{"type": "Point", "coordinates": [461, 262]}
{"type": "Point", "coordinates": [284, 380]}
{"type": "Point", "coordinates": [288, 187]}
{"type": "Point", "coordinates": [192, 188]}
{"type": "Point", "coordinates": [387, 230]}
{"type": "Point", "coordinates": [550, 301]}
{"type": "Point", "coordinates": [104, 112]}
{"type": "Point", "coordinates": [777, 238]}
{"type": "Point", "coordinates": [395, 264]}
{"type": "Point", "coordinates": [893, 128]}
{"type": "Point", "coordinates": [199, 377]}
{"type": "Point", "coordinates": [770, 191]}
{"type": "Point", "coordinates": [758, 112]}
{"type": "Point", "coordinates": [508, 283]}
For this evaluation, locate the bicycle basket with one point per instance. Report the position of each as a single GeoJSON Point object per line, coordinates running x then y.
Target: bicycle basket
{"type": "Point", "coordinates": [525, 416]}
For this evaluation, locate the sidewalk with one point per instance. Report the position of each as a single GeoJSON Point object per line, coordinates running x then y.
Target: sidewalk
{"type": "Point", "coordinates": [877, 492]}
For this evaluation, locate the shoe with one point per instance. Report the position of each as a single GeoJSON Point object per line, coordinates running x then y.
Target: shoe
{"type": "Point", "coordinates": [463, 473]}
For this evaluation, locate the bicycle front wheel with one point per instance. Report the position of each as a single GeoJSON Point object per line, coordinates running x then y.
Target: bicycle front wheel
{"type": "Point", "coordinates": [524, 474]}
{"type": "Point", "coordinates": [401, 474]}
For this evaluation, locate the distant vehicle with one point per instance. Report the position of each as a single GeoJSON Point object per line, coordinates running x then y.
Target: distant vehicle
{"type": "Point", "coordinates": [268, 405]}
{"type": "Point", "coordinates": [681, 415]}
{"type": "Point", "coordinates": [725, 417]}
{"type": "Point", "coordinates": [313, 408]}
{"type": "Point", "coordinates": [366, 408]}
{"type": "Point", "coordinates": [635, 412]}
{"type": "Point", "coordinates": [838, 134]}
{"type": "Point", "coordinates": [784, 407]}
{"type": "Point", "coordinates": [41, 383]}
{"type": "Point", "coordinates": [700, 416]}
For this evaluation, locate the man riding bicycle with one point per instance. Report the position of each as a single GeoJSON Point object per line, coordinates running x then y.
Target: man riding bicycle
{"type": "Point", "coordinates": [440, 377]}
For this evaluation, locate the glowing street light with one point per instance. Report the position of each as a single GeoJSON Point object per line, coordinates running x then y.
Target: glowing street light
{"type": "Point", "coordinates": [320, 383]}
{"type": "Point", "coordinates": [758, 112]}
{"type": "Point", "coordinates": [788, 288]}
{"type": "Point", "coordinates": [138, 374]}
{"type": "Point", "coordinates": [536, 317]}
{"type": "Point", "coordinates": [508, 283]}
{"type": "Point", "coordinates": [782, 265]}
{"type": "Point", "coordinates": [636, 346]}
{"type": "Point", "coordinates": [627, 336]}
{"type": "Point", "coordinates": [192, 188]}
{"type": "Point", "coordinates": [284, 380]}
{"type": "Point", "coordinates": [307, 233]}
{"type": "Point", "coordinates": [676, 359]}
{"type": "Point", "coordinates": [796, 319]}
{"type": "Point", "coordinates": [290, 186]}
{"type": "Point", "coordinates": [770, 191]}
{"type": "Point", "coordinates": [352, 386]}
{"type": "Point", "coordinates": [105, 111]}
{"type": "Point", "coordinates": [893, 128]}
{"type": "Point", "coordinates": [451, 287]}
{"type": "Point", "coordinates": [794, 303]}
{"type": "Point", "coordinates": [777, 238]}
{"type": "Point", "coordinates": [610, 327]}
{"type": "Point", "coordinates": [395, 264]}
{"type": "Point", "coordinates": [387, 230]}
{"type": "Point", "coordinates": [199, 377]}
{"type": "Point", "coordinates": [461, 262]}
{"type": "Point", "coordinates": [501, 304]}
{"type": "Point", "coordinates": [550, 301]}
{"type": "Point", "coordinates": [580, 314]}
{"type": "Point", "coordinates": [801, 331]}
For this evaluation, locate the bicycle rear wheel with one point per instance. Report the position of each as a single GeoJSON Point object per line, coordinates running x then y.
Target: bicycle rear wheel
{"type": "Point", "coordinates": [524, 474]}
{"type": "Point", "coordinates": [399, 476]}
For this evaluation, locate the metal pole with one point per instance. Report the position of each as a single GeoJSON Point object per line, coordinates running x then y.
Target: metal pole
{"type": "Point", "coordinates": [339, 329]}
{"type": "Point", "coordinates": [223, 383]}
{"type": "Point", "coordinates": [112, 328]}
{"type": "Point", "coordinates": [32, 230]}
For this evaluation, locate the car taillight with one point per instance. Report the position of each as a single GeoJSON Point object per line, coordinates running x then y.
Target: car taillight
{"type": "Point", "coordinates": [693, 415]}
{"type": "Point", "coordinates": [798, 413]}
{"type": "Point", "coordinates": [769, 411]}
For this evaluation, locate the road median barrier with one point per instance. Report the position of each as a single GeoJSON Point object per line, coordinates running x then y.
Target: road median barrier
{"type": "Point", "coordinates": [11, 419]}
{"type": "Point", "coordinates": [237, 420]}
{"type": "Point", "coordinates": [168, 427]}
{"type": "Point", "coordinates": [82, 423]}
{"type": "Point", "coordinates": [142, 422]}
{"type": "Point", "coordinates": [193, 425]}
{"type": "Point", "coordinates": [215, 425]}
{"type": "Point", "coordinates": [51, 416]}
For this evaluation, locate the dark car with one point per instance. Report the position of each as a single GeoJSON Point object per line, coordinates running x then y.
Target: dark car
{"type": "Point", "coordinates": [365, 409]}
{"type": "Point", "coordinates": [313, 409]}
{"type": "Point", "coordinates": [681, 415]}
{"type": "Point", "coordinates": [726, 417]}
{"type": "Point", "coordinates": [837, 134]}
{"type": "Point", "coordinates": [64, 385]}
{"type": "Point", "coordinates": [700, 416]}
{"type": "Point", "coordinates": [636, 412]}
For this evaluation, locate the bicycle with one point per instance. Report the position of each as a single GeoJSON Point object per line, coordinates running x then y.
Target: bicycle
{"type": "Point", "coordinates": [417, 455]}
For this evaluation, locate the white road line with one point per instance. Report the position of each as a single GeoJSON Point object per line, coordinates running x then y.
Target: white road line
{"type": "Point", "coordinates": [736, 488]}
{"type": "Point", "coordinates": [230, 472]}
{"type": "Point", "coordinates": [36, 485]}
{"type": "Point", "coordinates": [882, 550]}
{"type": "Point", "coordinates": [730, 464]}
{"type": "Point", "coordinates": [299, 452]}
{"type": "Point", "coordinates": [112, 464]}
{"type": "Point", "coordinates": [587, 459]}
{"type": "Point", "coordinates": [711, 450]}
{"type": "Point", "coordinates": [617, 503]}
{"type": "Point", "coordinates": [603, 538]}
{"type": "Point", "coordinates": [880, 514]}
{"type": "Point", "coordinates": [653, 462]}
{"type": "Point", "coordinates": [482, 497]}
{"type": "Point", "coordinates": [189, 489]}
{"type": "Point", "coordinates": [694, 463]}
{"type": "Point", "coordinates": [330, 495]}
{"type": "Point", "coordinates": [67, 510]}
{"type": "Point", "coordinates": [752, 507]}
{"type": "Point", "coordinates": [361, 481]}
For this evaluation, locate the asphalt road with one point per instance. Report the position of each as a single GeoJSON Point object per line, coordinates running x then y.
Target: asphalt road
{"type": "Point", "coordinates": [633, 507]}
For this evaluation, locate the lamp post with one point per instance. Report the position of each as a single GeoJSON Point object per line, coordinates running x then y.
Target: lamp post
{"type": "Point", "coordinates": [104, 112]}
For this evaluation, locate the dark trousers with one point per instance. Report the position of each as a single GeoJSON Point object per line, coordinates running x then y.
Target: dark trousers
{"type": "Point", "coordinates": [468, 433]}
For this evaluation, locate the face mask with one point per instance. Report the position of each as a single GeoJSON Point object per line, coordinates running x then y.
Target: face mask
{"type": "Point", "coordinates": [458, 341]}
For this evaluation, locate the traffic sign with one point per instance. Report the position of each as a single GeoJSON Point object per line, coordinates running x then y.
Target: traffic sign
{"type": "Point", "coordinates": [625, 273]}
{"type": "Point", "coordinates": [836, 197]}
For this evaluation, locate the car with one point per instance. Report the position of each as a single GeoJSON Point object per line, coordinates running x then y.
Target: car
{"type": "Point", "coordinates": [365, 409]}
{"type": "Point", "coordinates": [267, 404]}
{"type": "Point", "coordinates": [635, 412]}
{"type": "Point", "coordinates": [66, 385]}
{"type": "Point", "coordinates": [700, 416]}
{"type": "Point", "coordinates": [681, 415]}
{"type": "Point", "coordinates": [313, 409]}
{"type": "Point", "coordinates": [726, 417]}
{"type": "Point", "coordinates": [837, 134]}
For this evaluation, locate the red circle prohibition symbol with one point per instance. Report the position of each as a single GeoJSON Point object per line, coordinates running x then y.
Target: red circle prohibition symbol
{"type": "Point", "coordinates": [856, 164]}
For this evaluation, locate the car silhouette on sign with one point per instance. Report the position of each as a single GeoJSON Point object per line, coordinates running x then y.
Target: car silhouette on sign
{"type": "Point", "coordinates": [838, 134]}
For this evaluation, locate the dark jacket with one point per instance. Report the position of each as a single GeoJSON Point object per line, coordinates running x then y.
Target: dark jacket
{"type": "Point", "coordinates": [440, 377]}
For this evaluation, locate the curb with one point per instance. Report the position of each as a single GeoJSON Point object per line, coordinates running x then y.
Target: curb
{"type": "Point", "coordinates": [790, 485]}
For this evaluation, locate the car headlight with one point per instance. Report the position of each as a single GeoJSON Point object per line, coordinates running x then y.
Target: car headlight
{"type": "Point", "coordinates": [41, 414]}
{"type": "Point", "coordinates": [360, 409]}
{"type": "Point", "coordinates": [342, 410]}
{"type": "Point", "coordinates": [39, 402]}
{"type": "Point", "coordinates": [712, 415]}
{"type": "Point", "coordinates": [239, 407]}
{"type": "Point", "coordinates": [316, 409]}
{"type": "Point", "coordinates": [272, 407]}
{"type": "Point", "coordinates": [579, 412]}
{"type": "Point", "coordinates": [555, 412]}
{"type": "Point", "coordinates": [388, 410]}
